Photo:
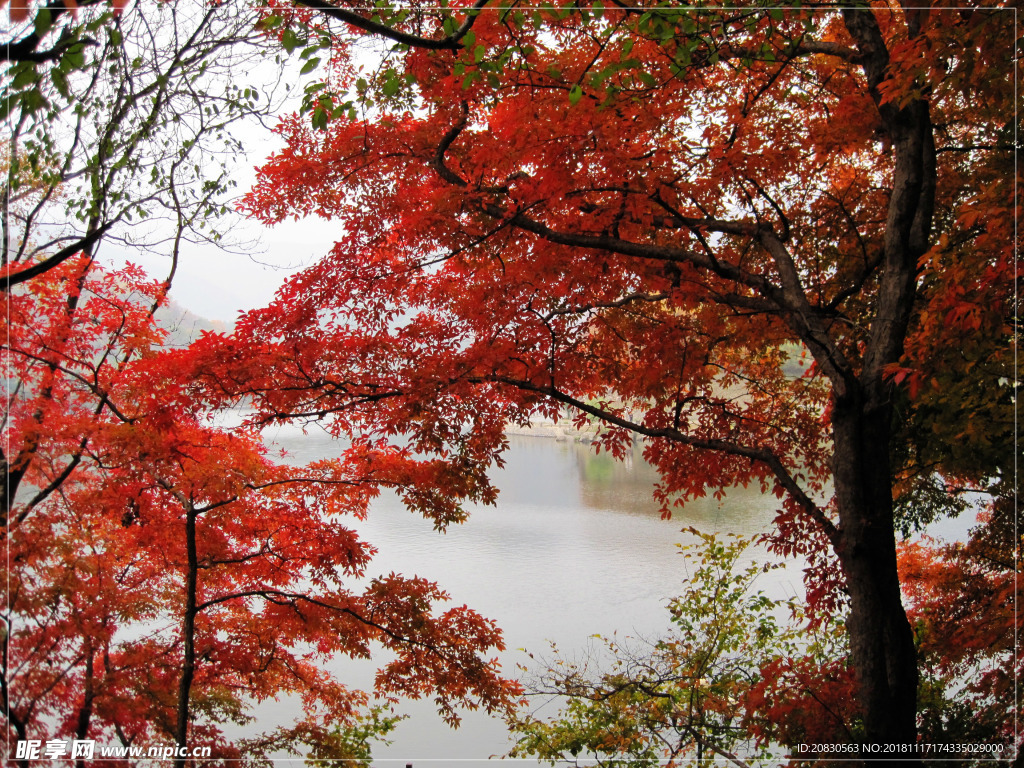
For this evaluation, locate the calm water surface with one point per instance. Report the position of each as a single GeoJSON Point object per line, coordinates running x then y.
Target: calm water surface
{"type": "Point", "coordinates": [575, 547]}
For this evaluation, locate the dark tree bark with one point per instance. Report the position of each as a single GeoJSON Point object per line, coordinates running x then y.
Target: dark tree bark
{"type": "Point", "coordinates": [881, 642]}
{"type": "Point", "coordinates": [188, 636]}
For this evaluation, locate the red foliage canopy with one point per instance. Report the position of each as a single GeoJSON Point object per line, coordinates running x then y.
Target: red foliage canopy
{"type": "Point", "coordinates": [165, 572]}
{"type": "Point", "coordinates": [646, 215]}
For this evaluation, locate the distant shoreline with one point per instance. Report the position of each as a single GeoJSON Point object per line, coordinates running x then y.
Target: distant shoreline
{"type": "Point", "coordinates": [559, 430]}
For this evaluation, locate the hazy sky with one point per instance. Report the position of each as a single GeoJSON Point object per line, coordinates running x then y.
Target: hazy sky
{"type": "Point", "coordinates": [219, 283]}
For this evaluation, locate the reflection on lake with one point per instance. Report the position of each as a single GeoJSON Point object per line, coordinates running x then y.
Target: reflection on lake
{"type": "Point", "coordinates": [575, 547]}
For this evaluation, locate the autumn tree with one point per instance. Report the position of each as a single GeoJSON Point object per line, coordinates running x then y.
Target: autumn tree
{"type": "Point", "coordinates": [961, 601]}
{"type": "Point", "coordinates": [129, 125]}
{"type": "Point", "coordinates": [174, 574]}
{"type": "Point", "coordinates": [639, 212]}
{"type": "Point", "coordinates": [164, 572]}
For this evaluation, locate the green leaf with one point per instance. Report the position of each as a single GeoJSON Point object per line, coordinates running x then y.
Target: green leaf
{"type": "Point", "coordinates": [309, 66]}
{"type": "Point", "coordinates": [75, 56]}
{"type": "Point", "coordinates": [392, 84]}
{"type": "Point", "coordinates": [25, 77]}
{"type": "Point", "coordinates": [43, 22]}
{"type": "Point", "coordinates": [575, 94]}
{"type": "Point", "coordinates": [290, 40]}
{"type": "Point", "coordinates": [60, 82]}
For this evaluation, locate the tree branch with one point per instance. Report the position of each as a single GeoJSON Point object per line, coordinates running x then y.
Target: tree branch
{"type": "Point", "coordinates": [276, 596]}
{"type": "Point", "coordinates": [763, 455]}
{"type": "Point", "coordinates": [55, 260]}
{"type": "Point", "coordinates": [447, 43]}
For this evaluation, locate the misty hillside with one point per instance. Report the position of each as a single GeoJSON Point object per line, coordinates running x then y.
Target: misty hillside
{"type": "Point", "coordinates": [185, 326]}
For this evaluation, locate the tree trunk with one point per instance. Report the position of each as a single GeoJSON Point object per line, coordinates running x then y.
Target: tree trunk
{"type": "Point", "coordinates": [881, 641]}
{"type": "Point", "coordinates": [188, 635]}
{"type": "Point", "coordinates": [89, 696]}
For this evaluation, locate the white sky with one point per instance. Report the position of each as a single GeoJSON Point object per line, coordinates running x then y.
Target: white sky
{"type": "Point", "coordinates": [219, 283]}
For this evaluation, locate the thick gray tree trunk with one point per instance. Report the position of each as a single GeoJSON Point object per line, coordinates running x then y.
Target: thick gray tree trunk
{"type": "Point", "coordinates": [881, 641]}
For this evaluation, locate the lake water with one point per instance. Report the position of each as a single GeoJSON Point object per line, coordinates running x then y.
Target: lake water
{"type": "Point", "coordinates": [575, 547]}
